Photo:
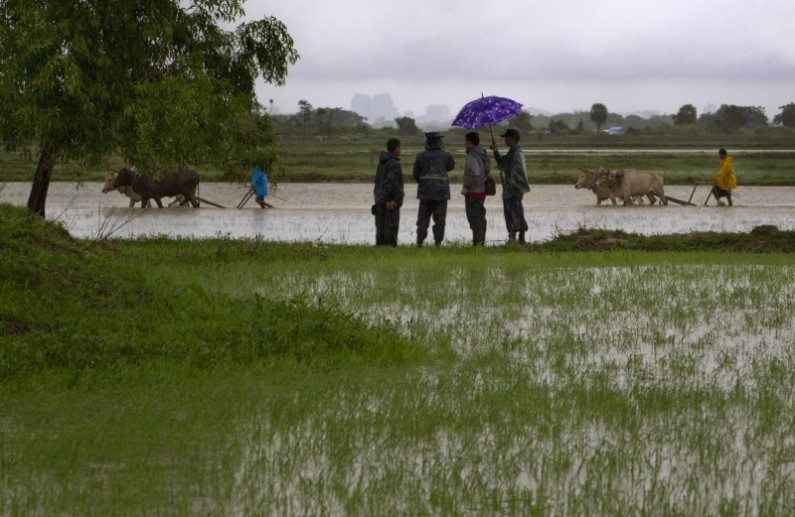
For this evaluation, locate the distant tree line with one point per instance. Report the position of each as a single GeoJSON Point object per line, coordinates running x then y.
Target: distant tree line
{"type": "Point", "coordinates": [319, 122]}
{"type": "Point", "coordinates": [324, 122]}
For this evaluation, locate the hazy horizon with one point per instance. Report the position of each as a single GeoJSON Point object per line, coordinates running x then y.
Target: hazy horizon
{"type": "Point", "coordinates": [649, 55]}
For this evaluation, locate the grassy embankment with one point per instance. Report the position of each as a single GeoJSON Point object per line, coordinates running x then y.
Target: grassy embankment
{"type": "Point", "coordinates": [221, 377]}
{"type": "Point", "coordinates": [553, 160]}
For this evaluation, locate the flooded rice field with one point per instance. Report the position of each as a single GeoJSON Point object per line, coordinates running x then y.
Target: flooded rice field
{"type": "Point", "coordinates": [340, 213]}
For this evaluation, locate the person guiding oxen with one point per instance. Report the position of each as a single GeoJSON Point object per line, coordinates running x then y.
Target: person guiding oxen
{"type": "Point", "coordinates": [431, 168]}
{"type": "Point", "coordinates": [476, 170]}
{"type": "Point", "coordinates": [725, 179]}
{"type": "Point", "coordinates": [259, 184]}
{"type": "Point", "coordinates": [388, 195]}
{"type": "Point", "coordinates": [514, 185]}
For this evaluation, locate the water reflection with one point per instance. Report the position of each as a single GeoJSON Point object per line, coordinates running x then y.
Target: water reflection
{"type": "Point", "coordinates": [340, 213]}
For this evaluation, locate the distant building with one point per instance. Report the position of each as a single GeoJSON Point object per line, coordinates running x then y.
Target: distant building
{"type": "Point", "coordinates": [436, 117]}
{"type": "Point", "coordinates": [376, 108]}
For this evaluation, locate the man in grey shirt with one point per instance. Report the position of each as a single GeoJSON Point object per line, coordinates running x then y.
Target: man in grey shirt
{"type": "Point", "coordinates": [476, 170]}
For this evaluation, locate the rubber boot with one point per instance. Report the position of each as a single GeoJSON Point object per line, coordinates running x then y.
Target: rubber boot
{"type": "Point", "coordinates": [521, 238]}
{"type": "Point", "coordinates": [512, 237]}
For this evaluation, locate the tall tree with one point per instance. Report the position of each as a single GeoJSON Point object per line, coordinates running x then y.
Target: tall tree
{"type": "Point", "coordinates": [559, 127]}
{"type": "Point", "coordinates": [787, 116]}
{"type": "Point", "coordinates": [730, 118]}
{"type": "Point", "coordinates": [754, 116]}
{"type": "Point", "coordinates": [407, 126]}
{"type": "Point", "coordinates": [599, 114]}
{"type": "Point", "coordinates": [522, 121]}
{"type": "Point", "coordinates": [305, 110]}
{"type": "Point", "coordinates": [163, 82]}
{"type": "Point", "coordinates": [686, 115]}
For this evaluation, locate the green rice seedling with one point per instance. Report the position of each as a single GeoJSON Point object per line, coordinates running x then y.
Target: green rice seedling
{"type": "Point", "coordinates": [305, 379]}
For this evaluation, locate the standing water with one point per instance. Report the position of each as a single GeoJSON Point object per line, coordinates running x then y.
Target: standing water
{"type": "Point", "coordinates": [340, 213]}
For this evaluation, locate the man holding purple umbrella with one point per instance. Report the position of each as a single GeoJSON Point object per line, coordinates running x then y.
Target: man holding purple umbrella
{"type": "Point", "coordinates": [476, 170]}
{"type": "Point", "coordinates": [514, 185]}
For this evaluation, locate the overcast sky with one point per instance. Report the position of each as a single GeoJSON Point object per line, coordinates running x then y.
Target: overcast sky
{"type": "Point", "coordinates": [556, 55]}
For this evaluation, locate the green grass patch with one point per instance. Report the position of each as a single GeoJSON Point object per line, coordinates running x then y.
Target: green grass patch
{"type": "Point", "coordinates": [553, 160]}
{"type": "Point", "coordinates": [600, 373]}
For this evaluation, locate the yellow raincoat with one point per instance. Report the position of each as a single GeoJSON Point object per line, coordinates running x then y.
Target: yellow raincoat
{"type": "Point", "coordinates": [725, 177]}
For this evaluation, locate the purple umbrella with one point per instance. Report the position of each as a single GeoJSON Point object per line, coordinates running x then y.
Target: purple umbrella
{"type": "Point", "coordinates": [486, 111]}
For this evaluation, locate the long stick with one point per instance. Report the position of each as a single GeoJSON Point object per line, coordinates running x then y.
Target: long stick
{"type": "Point", "coordinates": [245, 199]}
{"type": "Point", "coordinates": [709, 194]}
{"type": "Point", "coordinates": [209, 202]}
{"type": "Point", "coordinates": [679, 201]}
{"type": "Point", "coordinates": [691, 193]}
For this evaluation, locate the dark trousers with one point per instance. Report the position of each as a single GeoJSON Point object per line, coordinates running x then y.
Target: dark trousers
{"type": "Point", "coordinates": [476, 215]}
{"type": "Point", "coordinates": [431, 208]}
{"type": "Point", "coordinates": [719, 193]}
{"type": "Point", "coordinates": [514, 214]}
{"type": "Point", "coordinates": [387, 223]}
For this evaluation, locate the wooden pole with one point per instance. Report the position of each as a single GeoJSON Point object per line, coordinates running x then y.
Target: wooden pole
{"type": "Point", "coordinates": [709, 194]}
{"type": "Point", "coordinates": [679, 201]}
{"type": "Point", "coordinates": [691, 193]}
{"type": "Point", "coordinates": [245, 199]}
{"type": "Point", "coordinates": [209, 202]}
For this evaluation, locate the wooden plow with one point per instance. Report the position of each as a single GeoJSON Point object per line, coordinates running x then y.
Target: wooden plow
{"type": "Point", "coordinates": [248, 196]}
{"type": "Point", "coordinates": [689, 201]}
{"type": "Point", "coordinates": [202, 200]}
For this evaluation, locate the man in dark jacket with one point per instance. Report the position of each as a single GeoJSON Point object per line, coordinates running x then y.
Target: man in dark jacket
{"type": "Point", "coordinates": [514, 185]}
{"type": "Point", "coordinates": [388, 195]}
{"type": "Point", "coordinates": [433, 187]}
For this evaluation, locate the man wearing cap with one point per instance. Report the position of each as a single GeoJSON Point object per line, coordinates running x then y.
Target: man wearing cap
{"type": "Point", "coordinates": [431, 169]}
{"type": "Point", "coordinates": [514, 185]}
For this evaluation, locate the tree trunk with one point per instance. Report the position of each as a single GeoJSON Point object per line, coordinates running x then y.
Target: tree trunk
{"type": "Point", "coordinates": [41, 180]}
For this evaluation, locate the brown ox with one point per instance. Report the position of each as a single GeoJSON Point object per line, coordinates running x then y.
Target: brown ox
{"type": "Point", "coordinates": [177, 184]}
{"type": "Point", "coordinates": [128, 191]}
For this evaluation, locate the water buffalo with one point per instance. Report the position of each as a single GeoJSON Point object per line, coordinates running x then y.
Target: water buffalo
{"type": "Point", "coordinates": [176, 184]}
{"type": "Point", "coordinates": [629, 184]}
{"type": "Point", "coordinates": [126, 190]}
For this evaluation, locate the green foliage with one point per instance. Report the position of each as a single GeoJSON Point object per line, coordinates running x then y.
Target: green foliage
{"type": "Point", "coordinates": [731, 118]}
{"type": "Point", "coordinates": [787, 116]}
{"type": "Point", "coordinates": [686, 115]}
{"type": "Point", "coordinates": [558, 127]}
{"type": "Point", "coordinates": [599, 114]}
{"type": "Point", "coordinates": [323, 122]}
{"type": "Point", "coordinates": [84, 79]}
{"type": "Point", "coordinates": [407, 126]}
{"type": "Point", "coordinates": [762, 239]}
{"type": "Point", "coordinates": [522, 121]}
{"type": "Point", "coordinates": [576, 379]}
{"type": "Point", "coordinates": [65, 305]}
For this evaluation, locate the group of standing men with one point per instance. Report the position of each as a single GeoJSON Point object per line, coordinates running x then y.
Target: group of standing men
{"type": "Point", "coordinates": [431, 172]}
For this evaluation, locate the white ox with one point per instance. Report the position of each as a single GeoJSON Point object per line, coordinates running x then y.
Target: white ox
{"type": "Point", "coordinates": [631, 184]}
{"type": "Point", "coordinates": [588, 180]}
